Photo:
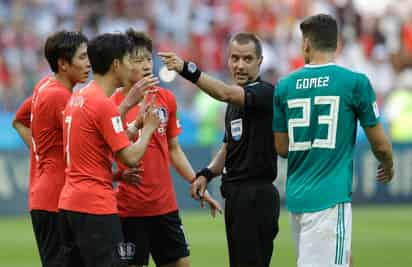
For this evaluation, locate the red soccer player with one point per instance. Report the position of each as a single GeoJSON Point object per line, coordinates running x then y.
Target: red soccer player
{"type": "Point", "coordinates": [149, 212]}
{"type": "Point", "coordinates": [66, 53]}
{"type": "Point", "coordinates": [93, 134]}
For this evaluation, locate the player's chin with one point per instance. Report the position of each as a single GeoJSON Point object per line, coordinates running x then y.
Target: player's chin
{"type": "Point", "coordinates": [241, 80]}
{"type": "Point", "coordinates": [83, 79]}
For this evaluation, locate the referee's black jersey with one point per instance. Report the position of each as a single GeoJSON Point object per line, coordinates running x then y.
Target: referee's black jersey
{"type": "Point", "coordinates": [248, 134]}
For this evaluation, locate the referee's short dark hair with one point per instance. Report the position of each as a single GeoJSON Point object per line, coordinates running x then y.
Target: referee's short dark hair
{"type": "Point", "coordinates": [322, 31]}
{"type": "Point", "coordinates": [246, 37]}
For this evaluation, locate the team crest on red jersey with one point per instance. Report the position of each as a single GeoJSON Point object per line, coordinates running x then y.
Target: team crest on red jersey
{"type": "Point", "coordinates": [163, 115]}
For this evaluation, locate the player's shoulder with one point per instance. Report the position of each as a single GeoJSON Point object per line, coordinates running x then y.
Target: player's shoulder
{"type": "Point", "coordinates": [260, 87]}
{"type": "Point", "coordinates": [52, 93]}
{"type": "Point", "coordinates": [259, 83]}
{"type": "Point", "coordinates": [352, 78]}
{"type": "Point", "coordinates": [40, 85]}
{"type": "Point", "coordinates": [43, 81]}
{"type": "Point", "coordinates": [290, 77]}
{"type": "Point", "coordinates": [347, 71]}
{"type": "Point", "coordinates": [118, 96]}
{"type": "Point", "coordinates": [164, 91]}
{"type": "Point", "coordinates": [283, 82]}
{"type": "Point", "coordinates": [56, 89]}
{"type": "Point", "coordinates": [93, 96]}
{"type": "Point", "coordinates": [165, 94]}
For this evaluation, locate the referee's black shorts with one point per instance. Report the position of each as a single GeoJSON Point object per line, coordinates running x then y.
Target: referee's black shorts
{"type": "Point", "coordinates": [46, 230]}
{"type": "Point", "coordinates": [90, 240]}
{"type": "Point", "coordinates": [251, 218]}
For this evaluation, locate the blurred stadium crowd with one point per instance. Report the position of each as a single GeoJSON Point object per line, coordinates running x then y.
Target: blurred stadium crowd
{"type": "Point", "coordinates": [376, 38]}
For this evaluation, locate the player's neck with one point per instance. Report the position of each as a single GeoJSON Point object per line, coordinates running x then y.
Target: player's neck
{"type": "Point", "coordinates": [321, 58]}
{"type": "Point", "coordinates": [126, 89]}
{"type": "Point", "coordinates": [66, 82]}
{"type": "Point", "coordinates": [107, 83]}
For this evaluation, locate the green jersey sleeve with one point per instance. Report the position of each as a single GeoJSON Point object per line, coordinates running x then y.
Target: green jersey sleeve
{"type": "Point", "coordinates": [279, 114]}
{"type": "Point", "coordinates": [366, 107]}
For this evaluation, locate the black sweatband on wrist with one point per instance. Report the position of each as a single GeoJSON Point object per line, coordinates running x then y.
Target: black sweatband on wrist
{"type": "Point", "coordinates": [190, 72]}
{"type": "Point", "coordinates": [206, 172]}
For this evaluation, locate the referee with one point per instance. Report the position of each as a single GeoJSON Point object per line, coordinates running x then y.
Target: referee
{"type": "Point", "coordinates": [247, 159]}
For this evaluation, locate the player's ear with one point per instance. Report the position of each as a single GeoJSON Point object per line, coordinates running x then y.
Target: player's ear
{"type": "Point", "coordinates": [260, 60]}
{"type": "Point", "coordinates": [306, 45]}
{"type": "Point", "coordinates": [115, 64]}
{"type": "Point", "coordinates": [62, 64]}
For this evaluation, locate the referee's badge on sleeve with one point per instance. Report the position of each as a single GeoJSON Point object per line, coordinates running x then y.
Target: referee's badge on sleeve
{"type": "Point", "coordinates": [236, 127]}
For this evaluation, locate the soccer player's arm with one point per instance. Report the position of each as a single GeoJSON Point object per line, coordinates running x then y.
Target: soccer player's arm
{"type": "Point", "coordinates": [382, 149]}
{"type": "Point", "coordinates": [131, 129]}
{"type": "Point", "coordinates": [215, 88]}
{"type": "Point", "coordinates": [279, 125]}
{"type": "Point", "coordinates": [130, 155]}
{"type": "Point", "coordinates": [179, 160]}
{"type": "Point", "coordinates": [368, 114]}
{"type": "Point", "coordinates": [136, 93]}
{"type": "Point", "coordinates": [176, 154]}
{"type": "Point", "coordinates": [21, 121]}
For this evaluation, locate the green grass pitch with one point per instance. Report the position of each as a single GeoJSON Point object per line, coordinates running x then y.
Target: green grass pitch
{"type": "Point", "coordinates": [382, 236]}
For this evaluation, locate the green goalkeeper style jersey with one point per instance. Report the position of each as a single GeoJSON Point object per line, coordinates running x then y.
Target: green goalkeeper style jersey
{"type": "Point", "coordinates": [319, 107]}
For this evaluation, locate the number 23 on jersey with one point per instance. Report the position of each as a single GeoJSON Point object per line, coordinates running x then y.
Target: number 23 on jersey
{"type": "Point", "coordinates": [330, 120]}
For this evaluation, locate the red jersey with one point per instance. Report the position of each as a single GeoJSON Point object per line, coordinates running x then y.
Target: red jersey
{"type": "Point", "coordinates": [24, 112]}
{"type": "Point", "coordinates": [23, 115]}
{"type": "Point", "coordinates": [49, 100]}
{"type": "Point", "coordinates": [155, 194]}
{"type": "Point", "coordinates": [92, 132]}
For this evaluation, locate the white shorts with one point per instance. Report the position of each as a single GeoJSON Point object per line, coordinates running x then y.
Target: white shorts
{"type": "Point", "coordinates": [323, 238]}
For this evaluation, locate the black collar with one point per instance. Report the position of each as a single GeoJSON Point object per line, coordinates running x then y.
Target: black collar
{"type": "Point", "coordinates": [258, 79]}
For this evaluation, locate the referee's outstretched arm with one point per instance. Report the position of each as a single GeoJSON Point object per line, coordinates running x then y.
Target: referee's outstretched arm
{"type": "Point", "coordinates": [215, 88]}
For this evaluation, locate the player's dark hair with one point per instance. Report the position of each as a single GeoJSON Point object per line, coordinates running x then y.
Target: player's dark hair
{"type": "Point", "coordinates": [62, 45]}
{"type": "Point", "coordinates": [139, 39]}
{"type": "Point", "coordinates": [246, 37]}
{"type": "Point", "coordinates": [322, 31]}
{"type": "Point", "coordinates": [105, 48]}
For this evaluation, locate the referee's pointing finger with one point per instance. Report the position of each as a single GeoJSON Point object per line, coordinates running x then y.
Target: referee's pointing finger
{"type": "Point", "coordinates": [166, 54]}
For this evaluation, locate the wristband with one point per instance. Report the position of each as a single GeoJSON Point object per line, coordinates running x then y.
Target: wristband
{"type": "Point", "coordinates": [190, 72]}
{"type": "Point", "coordinates": [206, 172]}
